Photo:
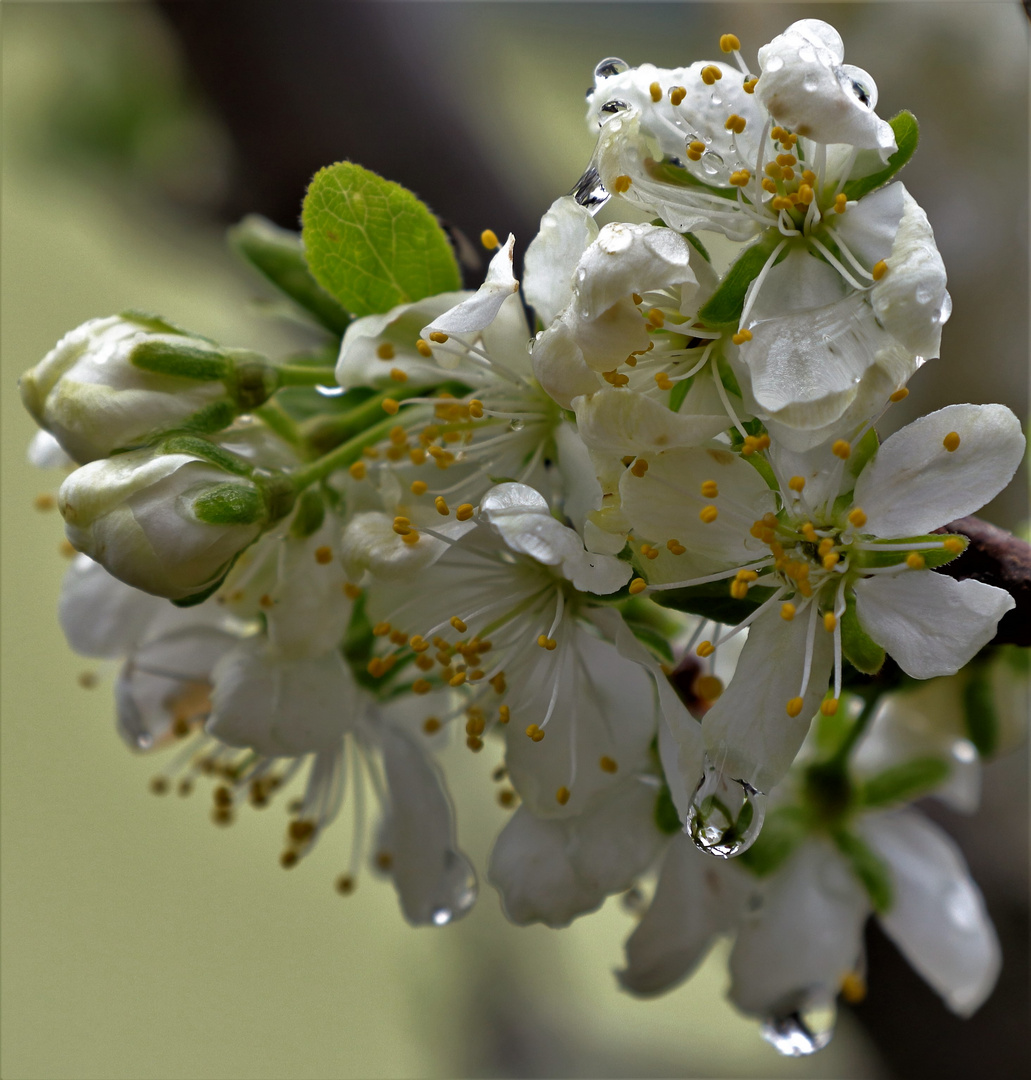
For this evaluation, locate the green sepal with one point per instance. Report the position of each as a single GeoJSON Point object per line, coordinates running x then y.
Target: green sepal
{"type": "Point", "coordinates": [725, 305]}
{"type": "Point", "coordinates": [933, 557]}
{"type": "Point", "coordinates": [156, 324]}
{"type": "Point", "coordinates": [667, 819]}
{"type": "Point", "coordinates": [907, 135]}
{"type": "Point", "coordinates": [182, 361]}
{"type": "Point", "coordinates": [212, 418]}
{"type": "Point", "coordinates": [278, 255]}
{"type": "Point", "coordinates": [862, 452]}
{"type": "Point", "coordinates": [698, 246]}
{"type": "Point", "coordinates": [208, 451]}
{"type": "Point", "coordinates": [371, 243]}
{"type": "Point", "coordinates": [861, 651]}
{"type": "Point", "coordinates": [311, 512]}
{"type": "Point", "coordinates": [251, 380]}
{"type": "Point", "coordinates": [727, 376]}
{"type": "Point", "coordinates": [204, 594]}
{"type": "Point", "coordinates": [678, 393]}
{"type": "Point", "coordinates": [903, 783]}
{"type": "Point", "coordinates": [654, 641]}
{"type": "Point", "coordinates": [869, 867]}
{"type": "Point", "coordinates": [783, 832]}
{"type": "Point", "coordinates": [230, 504]}
{"type": "Point", "coordinates": [713, 601]}
{"type": "Point", "coordinates": [980, 715]}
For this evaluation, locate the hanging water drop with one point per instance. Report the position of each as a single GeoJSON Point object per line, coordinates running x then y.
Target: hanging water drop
{"type": "Point", "coordinates": [775, 63]}
{"type": "Point", "coordinates": [516, 425]}
{"type": "Point", "coordinates": [144, 741]}
{"type": "Point", "coordinates": [725, 815]}
{"type": "Point", "coordinates": [802, 1031]}
{"type": "Point", "coordinates": [329, 391]}
{"type": "Point", "coordinates": [441, 916]}
{"type": "Point", "coordinates": [610, 108]}
{"type": "Point", "coordinates": [611, 65]}
{"type": "Point", "coordinates": [589, 191]}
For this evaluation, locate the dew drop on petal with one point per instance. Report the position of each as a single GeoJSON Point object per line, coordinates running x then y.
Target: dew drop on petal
{"type": "Point", "coordinates": [810, 83]}
{"type": "Point", "coordinates": [802, 1031]}
{"type": "Point", "coordinates": [516, 425]}
{"type": "Point", "coordinates": [775, 64]}
{"type": "Point", "coordinates": [923, 294]}
{"type": "Point", "coordinates": [329, 391]}
{"type": "Point", "coordinates": [144, 741]}
{"type": "Point", "coordinates": [611, 65]}
{"type": "Point", "coordinates": [589, 191]}
{"type": "Point", "coordinates": [725, 815]}
{"type": "Point", "coordinates": [807, 55]}
{"type": "Point", "coordinates": [611, 108]}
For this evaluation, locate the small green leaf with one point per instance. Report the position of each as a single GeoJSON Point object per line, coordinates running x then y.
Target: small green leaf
{"type": "Point", "coordinates": [724, 307]}
{"type": "Point", "coordinates": [666, 816]}
{"type": "Point", "coordinates": [278, 255]}
{"type": "Point", "coordinates": [230, 504]}
{"type": "Point", "coordinates": [183, 361]}
{"type": "Point", "coordinates": [979, 711]}
{"type": "Point", "coordinates": [371, 243]}
{"type": "Point", "coordinates": [783, 831]}
{"type": "Point", "coordinates": [213, 417]}
{"type": "Point", "coordinates": [869, 867]}
{"type": "Point", "coordinates": [861, 651]}
{"type": "Point", "coordinates": [902, 783]}
{"type": "Point", "coordinates": [712, 601]}
{"type": "Point", "coordinates": [907, 135]}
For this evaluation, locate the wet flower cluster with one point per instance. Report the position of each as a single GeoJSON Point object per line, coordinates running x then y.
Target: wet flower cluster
{"type": "Point", "coordinates": [645, 536]}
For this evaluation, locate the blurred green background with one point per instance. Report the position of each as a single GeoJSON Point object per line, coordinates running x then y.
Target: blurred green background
{"type": "Point", "coordinates": [138, 939]}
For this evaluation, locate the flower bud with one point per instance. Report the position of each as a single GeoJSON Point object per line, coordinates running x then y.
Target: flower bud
{"type": "Point", "coordinates": [121, 381]}
{"type": "Point", "coordinates": [171, 520]}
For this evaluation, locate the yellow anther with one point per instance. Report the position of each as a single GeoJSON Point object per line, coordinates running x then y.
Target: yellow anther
{"type": "Point", "coordinates": [739, 590]}
{"type": "Point", "coordinates": [809, 533]}
{"type": "Point", "coordinates": [676, 547]}
{"type": "Point", "coordinates": [534, 732]}
{"type": "Point", "coordinates": [375, 667]}
{"type": "Point", "coordinates": [438, 337]}
{"type": "Point", "coordinates": [418, 487]}
{"type": "Point", "coordinates": [951, 441]}
{"type": "Point", "coordinates": [621, 184]}
{"type": "Point", "coordinates": [735, 123]}
{"type": "Point", "coordinates": [808, 177]}
{"type": "Point", "coordinates": [853, 988]}
{"type": "Point", "coordinates": [695, 149]}
{"type": "Point", "coordinates": [710, 74]}
{"type": "Point", "coordinates": [829, 706]}
{"type": "Point", "coordinates": [796, 483]}
{"type": "Point", "coordinates": [417, 455]}
{"type": "Point", "coordinates": [655, 316]}
{"type": "Point", "coordinates": [638, 585]}
{"type": "Point", "coordinates": [504, 714]}
{"type": "Point", "coordinates": [953, 545]}
{"type": "Point", "coordinates": [542, 640]}
{"type": "Point", "coordinates": [831, 560]}
{"type": "Point", "coordinates": [677, 95]}
{"type": "Point", "coordinates": [729, 43]}
{"type": "Point", "coordinates": [457, 680]}
{"type": "Point", "coordinates": [637, 298]}
{"type": "Point", "coordinates": [899, 395]}
{"type": "Point", "coordinates": [489, 239]}
{"type": "Point", "coordinates": [411, 537]}
{"type": "Point", "coordinates": [915, 561]}
{"type": "Point", "coordinates": [787, 612]}
{"type": "Point", "coordinates": [352, 592]}
{"type": "Point", "coordinates": [781, 202]}
{"type": "Point", "coordinates": [749, 85]}
{"type": "Point", "coordinates": [786, 160]}
{"type": "Point", "coordinates": [794, 706]}
{"type": "Point", "coordinates": [390, 406]}
{"type": "Point", "coordinates": [741, 336]}
{"type": "Point", "coordinates": [607, 764]}
{"type": "Point", "coordinates": [649, 552]}
{"type": "Point", "coordinates": [805, 194]}
{"type": "Point", "coordinates": [740, 177]}
{"type": "Point", "coordinates": [615, 378]}
{"type": "Point", "coordinates": [841, 449]}
{"type": "Point", "coordinates": [826, 546]}
{"type": "Point", "coordinates": [663, 381]}
{"type": "Point", "coordinates": [441, 505]}
{"type": "Point", "coordinates": [830, 621]}
{"type": "Point", "coordinates": [431, 725]}
{"type": "Point", "coordinates": [708, 514]}
{"type": "Point", "coordinates": [475, 724]}
{"type": "Point", "coordinates": [878, 270]}
{"type": "Point", "coordinates": [840, 202]}
{"type": "Point", "coordinates": [710, 489]}
{"type": "Point", "coordinates": [857, 518]}
{"type": "Point", "coordinates": [562, 795]}
{"type": "Point", "coordinates": [769, 185]}
{"type": "Point", "coordinates": [772, 169]}
{"type": "Point", "coordinates": [398, 375]}
{"type": "Point", "coordinates": [358, 470]}
{"type": "Point", "coordinates": [464, 512]}
{"type": "Point", "coordinates": [381, 629]}
{"type": "Point", "coordinates": [323, 555]}
{"type": "Point", "coordinates": [656, 91]}
{"type": "Point", "coordinates": [705, 648]}
{"type": "Point", "coordinates": [476, 408]}
{"type": "Point", "coordinates": [418, 643]}
{"type": "Point", "coordinates": [639, 467]}
{"type": "Point", "coordinates": [402, 526]}
{"type": "Point", "coordinates": [457, 623]}
{"type": "Point", "coordinates": [421, 686]}
{"type": "Point", "coordinates": [424, 348]}
{"type": "Point", "coordinates": [746, 575]}
{"type": "Point", "coordinates": [398, 436]}
{"type": "Point", "coordinates": [787, 173]}
{"type": "Point", "coordinates": [708, 687]}
{"type": "Point", "coordinates": [385, 351]}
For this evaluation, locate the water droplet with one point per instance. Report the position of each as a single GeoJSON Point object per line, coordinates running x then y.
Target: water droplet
{"type": "Point", "coordinates": [456, 892]}
{"type": "Point", "coordinates": [708, 168]}
{"type": "Point", "coordinates": [802, 1031]}
{"type": "Point", "coordinates": [946, 310]}
{"type": "Point", "coordinates": [923, 294]}
{"type": "Point", "coordinates": [775, 64]}
{"type": "Point", "coordinates": [329, 391]}
{"type": "Point", "coordinates": [715, 98]}
{"type": "Point", "coordinates": [854, 87]}
{"type": "Point", "coordinates": [810, 83]}
{"type": "Point", "coordinates": [611, 65]}
{"type": "Point", "coordinates": [144, 741]}
{"type": "Point", "coordinates": [610, 108]}
{"type": "Point", "coordinates": [725, 815]}
{"type": "Point", "coordinates": [516, 425]}
{"type": "Point", "coordinates": [589, 191]}
{"type": "Point", "coordinates": [442, 916]}
{"type": "Point", "coordinates": [806, 54]}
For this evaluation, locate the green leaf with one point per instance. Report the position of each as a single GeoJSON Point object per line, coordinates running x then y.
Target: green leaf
{"type": "Point", "coordinates": [698, 246]}
{"type": "Point", "coordinates": [213, 417]}
{"type": "Point", "coordinates": [979, 711]}
{"type": "Point", "coordinates": [230, 504]}
{"type": "Point", "coordinates": [371, 243]}
{"type": "Point", "coordinates": [666, 817]}
{"type": "Point", "coordinates": [869, 867]}
{"type": "Point", "coordinates": [712, 601]}
{"type": "Point", "coordinates": [724, 307]}
{"type": "Point", "coordinates": [907, 135]}
{"type": "Point", "coordinates": [183, 361]}
{"type": "Point", "coordinates": [651, 639]}
{"type": "Point", "coordinates": [861, 651]}
{"type": "Point", "coordinates": [278, 255]}
{"type": "Point", "coordinates": [902, 783]}
{"type": "Point", "coordinates": [783, 831]}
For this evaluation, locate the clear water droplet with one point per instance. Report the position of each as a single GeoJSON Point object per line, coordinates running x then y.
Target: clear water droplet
{"type": "Point", "coordinates": [715, 98]}
{"type": "Point", "coordinates": [854, 87]}
{"type": "Point", "coordinates": [802, 1031]}
{"type": "Point", "coordinates": [516, 425]}
{"type": "Point", "coordinates": [611, 65]}
{"type": "Point", "coordinates": [806, 54]}
{"type": "Point", "coordinates": [589, 191]}
{"type": "Point", "coordinates": [775, 64]}
{"type": "Point", "coordinates": [144, 741]}
{"type": "Point", "coordinates": [725, 814]}
{"type": "Point", "coordinates": [456, 891]}
{"type": "Point", "coordinates": [329, 391]}
{"type": "Point", "coordinates": [946, 309]}
{"type": "Point", "coordinates": [810, 83]}
{"type": "Point", "coordinates": [708, 168]}
{"type": "Point", "coordinates": [923, 294]}
{"type": "Point", "coordinates": [442, 916]}
{"type": "Point", "coordinates": [611, 108]}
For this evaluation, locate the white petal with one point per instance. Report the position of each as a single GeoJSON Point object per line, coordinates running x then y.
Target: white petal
{"type": "Point", "coordinates": [370, 543]}
{"type": "Point", "coordinates": [479, 310]}
{"type": "Point", "coordinates": [45, 452]}
{"type": "Point", "coordinates": [804, 936]}
{"type": "Point", "coordinates": [434, 880]}
{"type": "Point", "coordinates": [696, 898]}
{"type": "Point", "coordinates": [869, 229]}
{"type": "Point", "coordinates": [931, 624]}
{"type": "Point", "coordinates": [938, 918]}
{"type": "Point", "coordinates": [748, 732]}
{"type": "Point", "coordinates": [915, 485]}
{"type": "Point", "coordinates": [566, 230]}
{"type": "Point", "coordinates": [559, 366]}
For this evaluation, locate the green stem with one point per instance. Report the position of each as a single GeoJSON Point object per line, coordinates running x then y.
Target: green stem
{"type": "Point", "coordinates": [855, 732]}
{"type": "Point", "coordinates": [280, 421]}
{"type": "Point", "coordinates": [304, 375]}
{"type": "Point", "coordinates": [343, 456]}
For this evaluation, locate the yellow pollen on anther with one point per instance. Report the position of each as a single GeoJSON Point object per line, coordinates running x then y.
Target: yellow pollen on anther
{"type": "Point", "coordinates": [809, 533]}
{"type": "Point", "coordinates": [357, 470]}
{"type": "Point", "coordinates": [899, 395]}
{"type": "Point", "coordinates": [649, 552]}
{"type": "Point", "coordinates": [534, 732]}
{"type": "Point", "coordinates": [787, 612]}
{"type": "Point", "coordinates": [829, 706]}
{"type": "Point", "coordinates": [504, 714]}
{"type": "Point", "coordinates": [794, 706]}
{"type": "Point", "coordinates": [708, 514]}
{"type": "Point", "coordinates": [639, 467]}
{"type": "Point", "coordinates": [729, 43]}
{"type": "Point", "coordinates": [352, 592]}
{"type": "Point", "coordinates": [421, 686]}
{"type": "Point", "coordinates": [655, 316]}
{"type": "Point", "coordinates": [676, 547]}
{"type": "Point", "coordinates": [638, 585]}
{"type": "Point", "coordinates": [663, 381]}
{"type": "Point", "coordinates": [411, 537]}
{"type": "Point", "coordinates": [656, 91]}
{"type": "Point", "coordinates": [953, 545]}
{"type": "Point", "coordinates": [831, 560]}
{"type": "Point", "coordinates": [398, 375]}
{"type": "Point", "coordinates": [562, 795]}
{"type": "Point", "coordinates": [878, 270]}
{"type": "Point", "coordinates": [677, 95]}
{"type": "Point", "coordinates": [805, 194]}
{"type": "Point", "coordinates": [424, 348]}
{"type": "Point", "coordinates": [385, 351]}
{"type": "Point", "coordinates": [431, 725]}
{"type": "Point", "coordinates": [830, 621]}
{"type": "Point", "coordinates": [749, 85]}
{"type": "Point", "coordinates": [621, 184]}
{"type": "Point", "coordinates": [735, 123]}
{"type": "Point", "coordinates": [741, 336]}
{"type": "Point", "coordinates": [705, 648]}
{"type": "Point", "coordinates": [418, 643]}
{"type": "Point", "coordinates": [915, 561]}
{"type": "Point", "coordinates": [951, 442]}
{"type": "Point", "coordinates": [607, 764]}
{"type": "Point", "coordinates": [381, 629]}
{"type": "Point", "coordinates": [840, 202]}
{"type": "Point", "coordinates": [464, 512]}
{"type": "Point", "coordinates": [826, 545]}
{"type": "Point", "coordinates": [710, 74]}
{"type": "Point", "coordinates": [489, 239]}
{"type": "Point", "coordinates": [438, 337]}
{"type": "Point", "coordinates": [402, 526]}
{"type": "Point", "coordinates": [769, 185]}
{"type": "Point", "coordinates": [796, 483]}
{"type": "Point", "coordinates": [808, 177]}
{"type": "Point", "coordinates": [710, 489]}
{"type": "Point", "coordinates": [476, 408]}
{"type": "Point", "coordinates": [857, 518]}
{"type": "Point", "coordinates": [457, 680]}
{"type": "Point", "coordinates": [390, 406]}
{"type": "Point", "coordinates": [841, 449]}
{"type": "Point", "coordinates": [695, 149]}
{"type": "Point", "coordinates": [781, 203]}
{"type": "Point", "coordinates": [740, 177]}
{"type": "Point", "coordinates": [418, 487]}
{"type": "Point", "coordinates": [853, 988]}
{"type": "Point", "coordinates": [786, 160]}
{"type": "Point", "coordinates": [457, 623]}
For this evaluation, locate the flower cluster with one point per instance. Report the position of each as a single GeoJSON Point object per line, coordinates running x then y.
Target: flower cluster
{"type": "Point", "coordinates": [646, 538]}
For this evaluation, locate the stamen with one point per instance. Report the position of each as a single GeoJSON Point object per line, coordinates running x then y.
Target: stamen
{"type": "Point", "coordinates": [656, 92]}
{"type": "Point", "coordinates": [489, 239]}
{"type": "Point", "coordinates": [951, 442]}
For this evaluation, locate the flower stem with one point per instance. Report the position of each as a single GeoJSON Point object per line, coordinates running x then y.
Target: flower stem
{"type": "Point", "coordinates": [304, 375]}
{"type": "Point", "coordinates": [856, 731]}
